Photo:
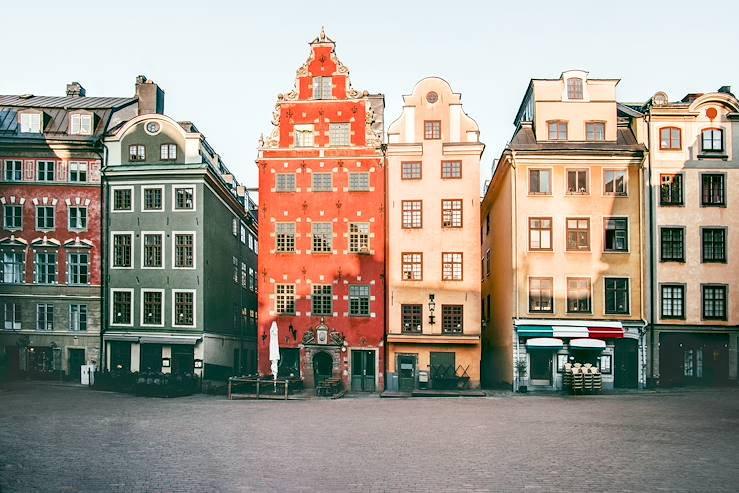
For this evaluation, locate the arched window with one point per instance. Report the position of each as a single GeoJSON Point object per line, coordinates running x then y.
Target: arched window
{"type": "Point", "coordinates": [670, 138]}
{"type": "Point", "coordinates": [574, 88]}
{"type": "Point", "coordinates": [712, 139]}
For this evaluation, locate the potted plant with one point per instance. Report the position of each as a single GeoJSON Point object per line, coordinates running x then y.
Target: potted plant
{"type": "Point", "coordinates": [521, 370]}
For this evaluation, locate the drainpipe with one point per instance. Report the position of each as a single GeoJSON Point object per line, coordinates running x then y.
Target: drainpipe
{"type": "Point", "coordinates": [652, 253]}
{"type": "Point", "coordinates": [383, 148]}
{"type": "Point", "coordinates": [104, 196]}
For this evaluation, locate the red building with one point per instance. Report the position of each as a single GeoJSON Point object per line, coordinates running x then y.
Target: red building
{"type": "Point", "coordinates": [321, 193]}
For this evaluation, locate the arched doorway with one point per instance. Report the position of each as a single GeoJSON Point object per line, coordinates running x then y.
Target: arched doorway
{"type": "Point", "coordinates": [322, 367]}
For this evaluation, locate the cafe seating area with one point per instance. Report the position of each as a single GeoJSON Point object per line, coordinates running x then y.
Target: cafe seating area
{"type": "Point", "coordinates": [582, 378]}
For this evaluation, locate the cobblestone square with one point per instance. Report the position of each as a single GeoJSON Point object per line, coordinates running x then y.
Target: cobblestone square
{"type": "Point", "coordinates": [56, 438]}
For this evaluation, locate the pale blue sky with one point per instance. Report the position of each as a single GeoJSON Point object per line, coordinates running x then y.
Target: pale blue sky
{"type": "Point", "coordinates": [222, 63]}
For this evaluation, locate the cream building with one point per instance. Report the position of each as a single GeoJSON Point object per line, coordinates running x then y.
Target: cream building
{"type": "Point", "coordinates": [566, 242]}
{"type": "Point", "coordinates": [433, 258]}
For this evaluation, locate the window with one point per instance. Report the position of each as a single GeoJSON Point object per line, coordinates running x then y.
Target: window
{"type": "Point", "coordinates": [122, 199]}
{"type": "Point", "coordinates": [80, 124]}
{"type": "Point", "coordinates": [540, 295]}
{"type": "Point", "coordinates": [168, 152]}
{"type": "Point", "coordinates": [451, 169]}
{"type": "Point", "coordinates": [322, 237]}
{"type": "Point", "coordinates": [78, 268]}
{"type": "Point", "coordinates": [713, 190]}
{"type": "Point", "coordinates": [617, 295]}
{"type": "Point", "coordinates": [452, 318]}
{"type": "Point", "coordinates": [45, 268]}
{"type": "Point", "coordinates": [578, 295]}
{"type": "Point", "coordinates": [431, 129]}
{"type": "Point", "coordinates": [184, 198]}
{"type": "Point", "coordinates": [152, 250]}
{"type": "Point", "coordinates": [670, 189]}
{"type": "Point", "coordinates": [673, 301]}
{"type": "Point", "coordinates": [339, 134]}
{"type": "Point", "coordinates": [252, 278]}
{"type": "Point", "coordinates": [285, 237]}
{"type": "Point", "coordinates": [614, 182]}
{"type": "Point", "coordinates": [412, 213]}
{"type": "Point", "coordinates": [451, 213]}
{"type": "Point", "coordinates": [712, 139]}
{"type": "Point", "coordinates": [12, 316]}
{"type": "Point", "coordinates": [451, 266]}
{"type": "Point", "coordinates": [30, 123]}
{"type": "Point", "coordinates": [77, 172]}
{"type": "Point", "coordinates": [487, 263]}
{"type": "Point", "coordinates": [13, 216]}
{"type": "Point", "coordinates": [152, 199]}
{"type": "Point", "coordinates": [574, 88]}
{"type": "Point", "coordinates": [235, 227]}
{"type": "Point", "coordinates": [44, 218]}
{"type": "Point", "coordinates": [78, 317]}
{"type": "Point", "coordinates": [45, 170]}
{"type": "Point", "coordinates": [412, 318]}
{"type": "Point", "coordinates": [595, 131]}
{"type": "Point", "coordinates": [122, 250]}
{"type": "Point", "coordinates": [557, 130]}
{"type": "Point", "coordinates": [714, 302]}
{"type": "Point", "coordinates": [578, 234]}
{"type": "Point", "coordinates": [670, 138]}
{"type": "Point", "coordinates": [285, 182]}
{"type": "Point", "coordinates": [152, 314]}
{"type": "Point", "coordinates": [540, 181]}
{"type": "Point", "coordinates": [322, 87]}
{"type": "Point", "coordinates": [183, 250]}
{"type": "Point", "coordinates": [44, 316]}
{"type": "Point", "coordinates": [184, 308]}
{"type": "Point", "coordinates": [12, 267]}
{"type": "Point", "coordinates": [359, 182]}
{"type": "Point", "coordinates": [714, 244]}
{"type": "Point", "coordinates": [13, 170]}
{"type": "Point", "coordinates": [122, 307]}
{"type": "Point", "coordinates": [672, 249]}
{"type": "Point", "coordinates": [322, 182]}
{"type": "Point", "coordinates": [540, 233]}
{"type": "Point", "coordinates": [410, 170]}
{"type": "Point", "coordinates": [412, 266]}
{"type": "Point", "coordinates": [235, 270]}
{"type": "Point", "coordinates": [616, 234]}
{"type": "Point", "coordinates": [136, 152]}
{"type": "Point", "coordinates": [242, 234]}
{"type": "Point", "coordinates": [322, 300]}
{"type": "Point", "coordinates": [359, 301]}
{"type": "Point", "coordinates": [577, 182]}
{"type": "Point", "coordinates": [303, 135]}
{"type": "Point", "coordinates": [285, 299]}
{"type": "Point", "coordinates": [77, 218]}
{"type": "Point", "coordinates": [359, 237]}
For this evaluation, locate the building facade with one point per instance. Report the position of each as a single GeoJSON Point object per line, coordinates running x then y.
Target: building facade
{"type": "Point", "coordinates": [433, 252]}
{"type": "Point", "coordinates": [50, 246]}
{"type": "Point", "coordinates": [321, 193]}
{"type": "Point", "coordinates": [693, 178]}
{"type": "Point", "coordinates": [566, 236]}
{"type": "Point", "coordinates": [182, 248]}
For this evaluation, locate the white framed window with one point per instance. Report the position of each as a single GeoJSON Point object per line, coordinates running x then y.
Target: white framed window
{"type": "Point", "coordinates": [121, 307]}
{"type": "Point", "coordinates": [44, 218]}
{"type": "Point", "coordinates": [242, 234]}
{"type": "Point", "coordinates": [45, 267]}
{"type": "Point", "coordinates": [12, 316]}
{"type": "Point", "coordinates": [256, 245]}
{"type": "Point", "coordinates": [80, 124]}
{"type": "Point", "coordinates": [285, 299]}
{"type": "Point", "coordinates": [183, 197]}
{"type": "Point", "coordinates": [12, 216]}
{"type": "Point", "coordinates": [168, 152]}
{"type": "Point", "coordinates": [44, 316]}
{"type": "Point", "coordinates": [122, 198]}
{"type": "Point", "coordinates": [183, 249]}
{"type": "Point", "coordinates": [152, 249]}
{"type": "Point", "coordinates": [78, 172]}
{"type": "Point", "coordinates": [30, 123]}
{"type": "Point", "coordinates": [235, 227]}
{"type": "Point", "coordinates": [77, 218]}
{"type": "Point", "coordinates": [359, 182]}
{"type": "Point", "coordinates": [285, 182]}
{"type": "Point", "coordinates": [322, 182]}
{"type": "Point", "coordinates": [136, 152]}
{"type": "Point", "coordinates": [152, 307]}
{"type": "Point", "coordinates": [13, 267]}
{"type": "Point", "coordinates": [359, 237]}
{"type": "Point", "coordinates": [152, 198]}
{"type": "Point", "coordinates": [183, 307]}
{"type": "Point", "coordinates": [615, 182]}
{"type": "Point", "coordinates": [78, 268]}
{"type": "Point", "coordinates": [303, 135]}
{"type": "Point", "coordinates": [45, 170]}
{"type": "Point", "coordinates": [121, 249]}
{"type": "Point", "coordinates": [78, 317]}
{"type": "Point", "coordinates": [322, 87]}
{"type": "Point", "coordinates": [13, 170]}
{"type": "Point", "coordinates": [339, 134]}
{"type": "Point", "coordinates": [322, 237]}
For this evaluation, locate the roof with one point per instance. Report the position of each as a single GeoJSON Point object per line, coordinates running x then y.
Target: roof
{"type": "Point", "coordinates": [525, 140]}
{"type": "Point", "coordinates": [68, 102]}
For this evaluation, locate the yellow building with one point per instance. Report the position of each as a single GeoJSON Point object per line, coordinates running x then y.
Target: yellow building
{"type": "Point", "coordinates": [433, 258]}
{"type": "Point", "coordinates": [565, 239]}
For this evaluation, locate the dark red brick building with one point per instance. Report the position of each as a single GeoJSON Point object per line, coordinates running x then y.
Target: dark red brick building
{"type": "Point", "coordinates": [321, 194]}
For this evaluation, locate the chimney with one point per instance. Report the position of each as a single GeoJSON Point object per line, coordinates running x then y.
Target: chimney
{"type": "Point", "coordinates": [725, 89]}
{"type": "Point", "coordinates": [150, 96]}
{"type": "Point", "coordinates": [75, 89]}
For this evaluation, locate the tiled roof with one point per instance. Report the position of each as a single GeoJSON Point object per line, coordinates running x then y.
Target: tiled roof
{"type": "Point", "coordinates": [525, 140]}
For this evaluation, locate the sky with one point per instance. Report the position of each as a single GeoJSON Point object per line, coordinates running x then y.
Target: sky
{"type": "Point", "coordinates": [222, 63]}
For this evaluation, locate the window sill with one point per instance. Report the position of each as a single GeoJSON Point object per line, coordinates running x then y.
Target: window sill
{"type": "Point", "coordinates": [714, 205]}
{"type": "Point", "coordinates": [723, 157]}
{"type": "Point", "coordinates": [538, 194]}
{"type": "Point", "coordinates": [668, 204]}
{"type": "Point", "coordinates": [673, 260]}
{"type": "Point", "coordinates": [722, 261]}
{"type": "Point", "coordinates": [577, 194]}
{"type": "Point", "coordinates": [616, 251]}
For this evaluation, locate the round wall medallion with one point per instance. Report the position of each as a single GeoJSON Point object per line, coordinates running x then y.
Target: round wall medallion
{"type": "Point", "coordinates": [152, 128]}
{"type": "Point", "coordinates": [432, 97]}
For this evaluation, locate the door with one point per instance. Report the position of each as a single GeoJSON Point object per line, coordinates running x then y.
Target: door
{"type": "Point", "coordinates": [150, 358]}
{"type": "Point", "coordinates": [626, 363]}
{"type": "Point", "coordinates": [363, 371]}
{"type": "Point", "coordinates": [13, 360]}
{"type": "Point", "coordinates": [322, 367]}
{"type": "Point", "coordinates": [183, 359]}
{"type": "Point", "coordinates": [443, 370]}
{"type": "Point", "coordinates": [406, 373]}
{"type": "Point", "coordinates": [120, 356]}
{"type": "Point", "coordinates": [541, 367]}
{"type": "Point", "coordinates": [76, 360]}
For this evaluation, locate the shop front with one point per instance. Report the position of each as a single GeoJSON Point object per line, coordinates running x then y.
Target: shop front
{"type": "Point", "coordinates": [176, 354]}
{"type": "Point", "coordinates": [689, 358]}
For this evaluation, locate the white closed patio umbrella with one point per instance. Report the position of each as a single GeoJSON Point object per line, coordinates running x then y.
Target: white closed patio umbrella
{"type": "Point", "coordinates": [274, 348]}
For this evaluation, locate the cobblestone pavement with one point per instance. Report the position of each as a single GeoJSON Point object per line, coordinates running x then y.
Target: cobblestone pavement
{"type": "Point", "coordinates": [56, 438]}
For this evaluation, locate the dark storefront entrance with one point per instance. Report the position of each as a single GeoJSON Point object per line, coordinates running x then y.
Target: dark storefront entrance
{"type": "Point", "coordinates": [406, 369]}
{"type": "Point", "coordinates": [443, 369]}
{"type": "Point", "coordinates": [151, 357]}
{"type": "Point", "coordinates": [626, 363]}
{"type": "Point", "coordinates": [322, 367]}
{"type": "Point", "coordinates": [363, 371]}
{"type": "Point", "coordinates": [693, 359]}
{"type": "Point", "coordinates": [76, 360]}
{"type": "Point", "coordinates": [120, 355]}
{"type": "Point", "coordinates": [183, 358]}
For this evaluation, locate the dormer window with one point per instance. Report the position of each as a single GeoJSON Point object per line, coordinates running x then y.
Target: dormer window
{"type": "Point", "coordinates": [670, 139]}
{"type": "Point", "coordinates": [30, 123]}
{"type": "Point", "coordinates": [322, 87]}
{"type": "Point", "coordinates": [80, 124]}
{"type": "Point", "coordinates": [557, 130]}
{"type": "Point", "coordinates": [304, 135]}
{"type": "Point", "coordinates": [168, 152]}
{"type": "Point", "coordinates": [595, 131]}
{"type": "Point", "coordinates": [136, 152]}
{"type": "Point", "coordinates": [712, 139]}
{"type": "Point", "coordinates": [574, 88]}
